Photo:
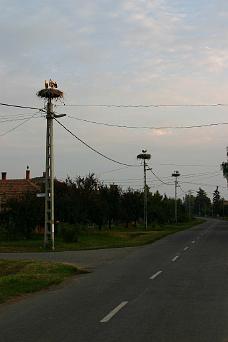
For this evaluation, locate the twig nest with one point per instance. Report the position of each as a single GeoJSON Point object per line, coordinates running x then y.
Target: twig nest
{"type": "Point", "coordinates": [50, 93]}
{"type": "Point", "coordinates": [224, 167]}
{"type": "Point", "coordinates": [144, 156]}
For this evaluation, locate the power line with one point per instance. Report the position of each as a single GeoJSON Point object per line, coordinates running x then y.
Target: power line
{"type": "Point", "coordinates": [93, 149]}
{"type": "Point", "coordinates": [10, 115]}
{"type": "Point", "coordinates": [148, 127]}
{"type": "Point", "coordinates": [18, 119]}
{"type": "Point", "coordinates": [212, 174]}
{"type": "Point", "coordinates": [205, 175]}
{"type": "Point", "coordinates": [20, 106]}
{"type": "Point", "coordinates": [146, 106]}
{"type": "Point", "coordinates": [150, 169]}
{"type": "Point", "coordinates": [184, 192]}
{"type": "Point", "coordinates": [136, 180]}
{"type": "Point", "coordinates": [15, 127]}
{"type": "Point", "coordinates": [114, 170]}
{"type": "Point", "coordinates": [188, 165]}
{"type": "Point", "coordinates": [203, 184]}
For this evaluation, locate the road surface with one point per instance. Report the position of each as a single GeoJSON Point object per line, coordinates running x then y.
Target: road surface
{"type": "Point", "coordinates": [174, 290]}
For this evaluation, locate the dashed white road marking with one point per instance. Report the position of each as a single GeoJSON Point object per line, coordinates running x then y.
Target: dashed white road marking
{"type": "Point", "coordinates": [186, 248]}
{"type": "Point", "coordinates": [113, 312]}
{"type": "Point", "coordinates": [155, 275]}
{"type": "Point", "coordinates": [175, 258]}
{"type": "Point", "coordinates": [193, 241]}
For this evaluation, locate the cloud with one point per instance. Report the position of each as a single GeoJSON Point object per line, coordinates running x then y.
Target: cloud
{"type": "Point", "coordinates": [216, 60]}
{"type": "Point", "coordinates": [123, 51]}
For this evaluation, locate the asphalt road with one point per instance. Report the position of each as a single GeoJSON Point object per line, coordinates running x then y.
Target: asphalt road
{"type": "Point", "coordinates": [175, 290]}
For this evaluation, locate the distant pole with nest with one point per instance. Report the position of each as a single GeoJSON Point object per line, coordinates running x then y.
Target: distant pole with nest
{"type": "Point", "coordinates": [144, 156]}
{"type": "Point", "coordinates": [175, 174]}
{"type": "Point", "coordinates": [49, 93]}
{"type": "Point", "coordinates": [224, 167]}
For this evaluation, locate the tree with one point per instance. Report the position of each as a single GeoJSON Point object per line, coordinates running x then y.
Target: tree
{"type": "Point", "coordinates": [217, 203]}
{"type": "Point", "coordinates": [202, 203]}
{"type": "Point", "coordinates": [110, 196]}
{"type": "Point", "coordinates": [189, 203]}
{"type": "Point", "coordinates": [132, 206]}
{"type": "Point", "coordinates": [24, 215]}
{"type": "Point", "coordinates": [224, 168]}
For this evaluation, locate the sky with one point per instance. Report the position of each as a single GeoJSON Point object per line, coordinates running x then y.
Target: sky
{"type": "Point", "coordinates": [122, 52]}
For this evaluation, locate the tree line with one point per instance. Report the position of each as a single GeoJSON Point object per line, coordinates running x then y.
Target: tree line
{"type": "Point", "coordinates": [88, 202]}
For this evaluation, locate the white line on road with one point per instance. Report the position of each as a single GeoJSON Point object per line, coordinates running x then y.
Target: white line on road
{"type": "Point", "coordinates": [155, 275]}
{"type": "Point", "coordinates": [186, 248]}
{"type": "Point", "coordinates": [193, 241]}
{"type": "Point", "coordinates": [113, 312]}
{"type": "Point", "coordinates": [175, 258]}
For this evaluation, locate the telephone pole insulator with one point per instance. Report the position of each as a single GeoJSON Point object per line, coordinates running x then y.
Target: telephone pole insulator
{"type": "Point", "coordinates": [49, 93]}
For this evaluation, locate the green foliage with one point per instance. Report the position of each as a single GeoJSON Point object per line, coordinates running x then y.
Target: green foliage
{"type": "Point", "coordinates": [117, 237]}
{"type": "Point", "coordinates": [69, 232]}
{"type": "Point", "coordinates": [20, 277]}
{"type": "Point", "coordinates": [202, 203]}
{"type": "Point", "coordinates": [22, 216]}
{"type": "Point", "coordinates": [88, 202]}
{"type": "Point", "coordinates": [224, 168]}
{"type": "Point", "coordinates": [217, 203]}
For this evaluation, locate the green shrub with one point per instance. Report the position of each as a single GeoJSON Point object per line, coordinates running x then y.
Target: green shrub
{"type": "Point", "coordinates": [69, 232]}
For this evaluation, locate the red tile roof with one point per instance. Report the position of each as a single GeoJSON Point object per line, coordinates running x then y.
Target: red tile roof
{"type": "Point", "coordinates": [11, 188]}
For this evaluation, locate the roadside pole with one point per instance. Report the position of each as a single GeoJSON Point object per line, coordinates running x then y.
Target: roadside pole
{"type": "Point", "coordinates": [144, 156]}
{"type": "Point", "coordinates": [176, 174]}
{"type": "Point", "coordinates": [49, 93]}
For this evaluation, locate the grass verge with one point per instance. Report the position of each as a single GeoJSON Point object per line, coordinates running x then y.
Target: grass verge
{"type": "Point", "coordinates": [94, 239]}
{"type": "Point", "coordinates": [27, 276]}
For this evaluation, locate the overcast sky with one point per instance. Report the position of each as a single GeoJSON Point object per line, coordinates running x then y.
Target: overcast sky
{"type": "Point", "coordinates": [118, 52]}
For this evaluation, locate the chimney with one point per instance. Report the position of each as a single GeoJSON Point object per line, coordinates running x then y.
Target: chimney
{"type": "Point", "coordinates": [3, 175]}
{"type": "Point", "coordinates": [27, 173]}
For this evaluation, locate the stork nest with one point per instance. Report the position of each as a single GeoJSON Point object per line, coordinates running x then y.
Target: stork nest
{"type": "Point", "coordinates": [224, 168]}
{"type": "Point", "coordinates": [144, 156]}
{"type": "Point", "coordinates": [50, 93]}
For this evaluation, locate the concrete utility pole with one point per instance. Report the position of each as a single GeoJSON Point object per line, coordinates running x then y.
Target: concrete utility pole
{"type": "Point", "coordinates": [49, 180]}
{"type": "Point", "coordinates": [176, 174]}
{"type": "Point", "coordinates": [50, 92]}
{"type": "Point", "coordinates": [144, 156]}
{"type": "Point", "coordinates": [189, 204]}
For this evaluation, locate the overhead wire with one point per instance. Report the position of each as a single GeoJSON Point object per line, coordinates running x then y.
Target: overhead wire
{"type": "Point", "coordinates": [20, 118]}
{"type": "Point", "coordinates": [93, 149]}
{"type": "Point", "coordinates": [204, 184]}
{"type": "Point", "coordinates": [184, 192]}
{"type": "Point", "coordinates": [17, 126]}
{"type": "Point", "coordinates": [20, 106]}
{"type": "Point", "coordinates": [188, 165]}
{"type": "Point", "coordinates": [114, 170]}
{"type": "Point", "coordinates": [150, 169]}
{"type": "Point", "coordinates": [148, 127]}
{"type": "Point", "coordinates": [146, 105]}
{"type": "Point", "coordinates": [9, 115]}
{"type": "Point", "coordinates": [136, 180]}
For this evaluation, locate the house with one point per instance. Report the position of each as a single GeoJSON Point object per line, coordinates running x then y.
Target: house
{"type": "Point", "coordinates": [15, 188]}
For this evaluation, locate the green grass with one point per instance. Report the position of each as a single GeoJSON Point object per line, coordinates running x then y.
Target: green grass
{"type": "Point", "coordinates": [27, 276]}
{"type": "Point", "coordinates": [93, 239]}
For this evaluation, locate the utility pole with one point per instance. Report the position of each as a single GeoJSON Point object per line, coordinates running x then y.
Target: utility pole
{"type": "Point", "coordinates": [49, 180]}
{"type": "Point", "coordinates": [189, 204]}
{"type": "Point", "coordinates": [176, 174]}
{"type": "Point", "coordinates": [49, 93]}
{"type": "Point", "coordinates": [144, 156]}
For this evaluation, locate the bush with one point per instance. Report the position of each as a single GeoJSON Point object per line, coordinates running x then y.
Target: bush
{"type": "Point", "coordinates": [69, 232]}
